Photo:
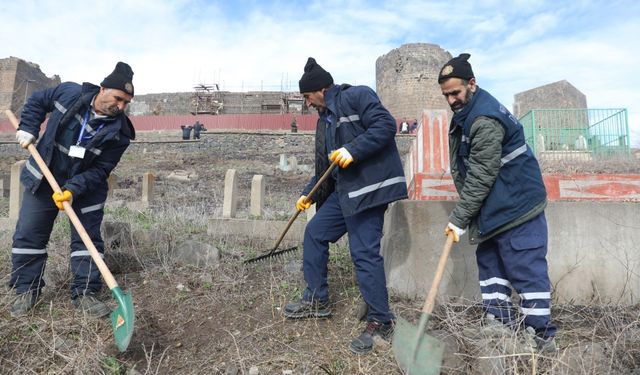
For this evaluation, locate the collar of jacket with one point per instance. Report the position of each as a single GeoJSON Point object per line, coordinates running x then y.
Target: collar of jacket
{"type": "Point", "coordinates": [460, 117]}
{"type": "Point", "coordinates": [332, 97]}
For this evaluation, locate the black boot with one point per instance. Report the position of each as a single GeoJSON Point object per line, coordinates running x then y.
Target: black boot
{"type": "Point", "coordinates": [307, 309]}
{"type": "Point", "coordinates": [364, 342]}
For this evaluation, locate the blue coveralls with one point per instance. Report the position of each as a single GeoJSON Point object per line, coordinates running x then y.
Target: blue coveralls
{"type": "Point", "coordinates": [354, 119]}
{"type": "Point", "coordinates": [105, 139]}
{"type": "Point", "coordinates": [517, 259]}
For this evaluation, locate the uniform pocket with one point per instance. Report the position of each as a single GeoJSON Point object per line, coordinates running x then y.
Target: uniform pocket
{"type": "Point", "coordinates": [528, 242]}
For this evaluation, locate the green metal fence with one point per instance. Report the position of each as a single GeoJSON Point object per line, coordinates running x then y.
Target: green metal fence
{"type": "Point", "coordinates": [583, 133]}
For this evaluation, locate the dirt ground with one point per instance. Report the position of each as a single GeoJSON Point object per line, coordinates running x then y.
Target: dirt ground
{"type": "Point", "coordinates": [227, 318]}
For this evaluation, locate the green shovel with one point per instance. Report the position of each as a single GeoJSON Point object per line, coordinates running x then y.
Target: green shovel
{"type": "Point", "coordinates": [416, 352]}
{"type": "Point", "coordinates": [123, 317]}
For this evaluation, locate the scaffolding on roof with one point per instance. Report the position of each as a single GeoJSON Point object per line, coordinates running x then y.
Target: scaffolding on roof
{"type": "Point", "coordinates": [206, 99]}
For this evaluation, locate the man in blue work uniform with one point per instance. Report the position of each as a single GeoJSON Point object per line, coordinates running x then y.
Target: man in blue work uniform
{"type": "Point", "coordinates": [502, 202]}
{"type": "Point", "coordinates": [87, 132]}
{"type": "Point", "coordinates": [356, 132]}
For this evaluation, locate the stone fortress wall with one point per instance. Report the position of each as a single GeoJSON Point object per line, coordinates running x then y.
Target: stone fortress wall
{"type": "Point", "coordinates": [406, 82]}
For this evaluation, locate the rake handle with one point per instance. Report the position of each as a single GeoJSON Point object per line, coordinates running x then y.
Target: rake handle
{"type": "Point", "coordinates": [102, 266]}
{"type": "Point", "coordinates": [295, 215]}
{"type": "Point", "coordinates": [433, 291]}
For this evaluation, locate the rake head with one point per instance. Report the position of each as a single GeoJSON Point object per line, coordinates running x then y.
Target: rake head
{"type": "Point", "coordinates": [270, 255]}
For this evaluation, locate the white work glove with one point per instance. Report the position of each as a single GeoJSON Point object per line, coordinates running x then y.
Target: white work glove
{"type": "Point", "coordinates": [457, 232]}
{"type": "Point", "coordinates": [342, 157]}
{"type": "Point", "coordinates": [24, 138]}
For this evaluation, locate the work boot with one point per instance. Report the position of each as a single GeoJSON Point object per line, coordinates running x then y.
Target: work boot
{"type": "Point", "coordinates": [540, 344]}
{"type": "Point", "coordinates": [307, 309]}
{"type": "Point", "coordinates": [91, 306]}
{"type": "Point", "coordinates": [364, 342]}
{"type": "Point", "coordinates": [23, 303]}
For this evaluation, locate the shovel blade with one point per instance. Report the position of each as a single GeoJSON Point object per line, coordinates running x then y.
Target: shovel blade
{"type": "Point", "coordinates": [416, 352]}
{"type": "Point", "coordinates": [122, 318]}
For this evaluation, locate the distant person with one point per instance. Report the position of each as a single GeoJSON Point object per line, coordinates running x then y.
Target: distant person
{"type": "Point", "coordinates": [197, 127]}
{"type": "Point", "coordinates": [357, 132]}
{"type": "Point", "coordinates": [87, 132]}
{"type": "Point", "coordinates": [404, 127]}
{"type": "Point", "coordinates": [186, 132]}
{"type": "Point", "coordinates": [413, 128]}
{"type": "Point", "coordinates": [294, 125]}
{"type": "Point", "coordinates": [502, 202]}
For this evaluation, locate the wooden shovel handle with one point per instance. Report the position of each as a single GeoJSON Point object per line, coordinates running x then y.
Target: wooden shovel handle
{"type": "Point", "coordinates": [295, 215]}
{"type": "Point", "coordinates": [104, 270]}
{"type": "Point", "coordinates": [431, 297]}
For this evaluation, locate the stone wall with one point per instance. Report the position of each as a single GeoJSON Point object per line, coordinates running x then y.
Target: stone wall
{"type": "Point", "coordinates": [18, 80]}
{"type": "Point", "coordinates": [556, 95]}
{"type": "Point", "coordinates": [181, 103]}
{"type": "Point", "coordinates": [407, 79]}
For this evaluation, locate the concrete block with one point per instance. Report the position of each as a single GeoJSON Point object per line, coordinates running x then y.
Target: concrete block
{"type": "Point", "coordinates": [16, 190]}
{"type": "Point", "coordinates": [284, 163]}
{"type": "Point", "coordinates": [257, 195]}
{"type": "Point", "coordinates": [411, 245]}
{"type": "Point", "coordinates": [230, 203]}
{"type": "Point", "coordinates": [148, 183]}
{"type": "Point", "coordinates": [257, 229]}
{"type": "Point", "coordinates": [293, 163]}
{"type": "Point", "coordinates": [592, 253]}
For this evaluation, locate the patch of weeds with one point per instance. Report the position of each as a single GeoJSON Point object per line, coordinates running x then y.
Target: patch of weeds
{"type": "Point", "coordinates": [291, 291]}
{"type": "Point", "coordinates": [181, 296]}
{"type": "Point", "coordinates": [118, 212]}
{"type": "Point", "coordinates": [32, 328]}
{"type": "Point", "coordinates": [144, 220]}
{"type": "Point", "coordinates": [337, 366]}
{"type": "Point", "coordinates": [112, 366]}
{"type": "Point", "coordinates": [281, 216]}
{"type": "Point", "coordinates": [341, 257]}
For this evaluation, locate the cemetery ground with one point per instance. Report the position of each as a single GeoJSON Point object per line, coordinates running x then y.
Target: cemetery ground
{"type": "Point", "coordinates": [221, 317]}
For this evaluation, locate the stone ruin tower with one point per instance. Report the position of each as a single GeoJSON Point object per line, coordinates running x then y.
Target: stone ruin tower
{"type": "Point", "coordinates": [407, 79]}
{"type": "Point", "coordinates": [18, 80]}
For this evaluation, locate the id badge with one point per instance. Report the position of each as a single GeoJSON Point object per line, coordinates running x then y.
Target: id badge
{"type": "Point", "coordinates": [76, 152]}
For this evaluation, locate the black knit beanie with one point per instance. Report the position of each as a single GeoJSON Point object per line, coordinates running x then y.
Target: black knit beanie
{"type": "Point", "coordinates": [457, 67]}
{"type": "Point", "coordinates": [314, 78]}
{"type": "Point", "coordinates": [120, 79]}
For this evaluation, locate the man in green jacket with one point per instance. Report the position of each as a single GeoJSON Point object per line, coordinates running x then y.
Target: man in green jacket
{"type": "Point", "coordinates": [502, 202]}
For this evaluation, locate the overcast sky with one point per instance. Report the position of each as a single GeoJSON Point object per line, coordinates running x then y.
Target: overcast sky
{"type": "Point", "coordinates": [263, 44]}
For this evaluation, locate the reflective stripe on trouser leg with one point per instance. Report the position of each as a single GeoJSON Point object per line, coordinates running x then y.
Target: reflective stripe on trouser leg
{"type": "Point", "coordinates": [365, 233]}
{"type": "Point", "coordinates": [326, 226]}
{"type": "Point", "coordinates": [494, 286]}
{"type": "Point", "coordinates": [86, 273]}
{"type": "Point", "coordinates": [28, 253]}
{"type": "Point", "coordinates": [524, 250]}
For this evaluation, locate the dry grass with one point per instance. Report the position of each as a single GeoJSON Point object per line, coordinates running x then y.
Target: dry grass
{"type": "Point", "coordinates": [227, 318]}
{"type": "Point", "coordinates": [222, 318]}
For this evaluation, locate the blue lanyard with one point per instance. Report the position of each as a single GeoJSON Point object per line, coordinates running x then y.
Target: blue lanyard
{"type": "Point", "coordinates": [85, 121]}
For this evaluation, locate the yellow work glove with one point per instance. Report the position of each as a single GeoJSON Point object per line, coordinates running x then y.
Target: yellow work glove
{"type": "Point", "coordinates": [303, 203]}
{"type": "Point", "coordinates": [342, 157]}
{"type": "Point", "coordinates": [58, 198]}
{"type": "Point", "coordinates": [457, 232]}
